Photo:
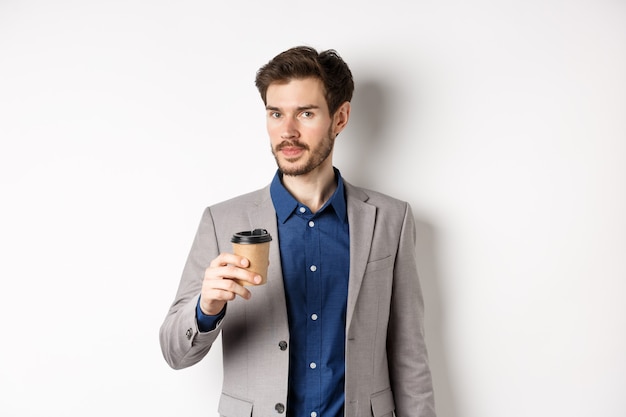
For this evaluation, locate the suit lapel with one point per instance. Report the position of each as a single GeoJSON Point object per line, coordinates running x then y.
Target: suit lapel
{"type": "Point", "coordinates": [361, 218]}
{"type": "Point", "coordinates": [263, 215]}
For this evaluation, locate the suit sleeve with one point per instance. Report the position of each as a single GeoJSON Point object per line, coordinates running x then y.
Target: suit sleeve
{"type": "Point", "coordinates": [182, 344]}
{"type": "Point", "coordinates": [408, 359]}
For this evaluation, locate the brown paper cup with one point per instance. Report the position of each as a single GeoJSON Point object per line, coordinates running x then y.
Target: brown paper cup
{"type": "Point", "coordinates": [255, 246]}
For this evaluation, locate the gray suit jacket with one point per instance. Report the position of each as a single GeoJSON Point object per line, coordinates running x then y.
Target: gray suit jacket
{"type": "Point", "coordinates": [387, 368]}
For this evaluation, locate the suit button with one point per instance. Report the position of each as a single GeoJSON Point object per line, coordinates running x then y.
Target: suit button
{"type": "Point", "coordinates": [280, 407]}
{"type": "Point", "coordinates": [282, 345]}
{"type": "Point", "coordinates": [189, 333]}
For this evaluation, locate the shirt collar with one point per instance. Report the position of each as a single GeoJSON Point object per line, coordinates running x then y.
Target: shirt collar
{"type": "Point", "coordinates": [285, 204]}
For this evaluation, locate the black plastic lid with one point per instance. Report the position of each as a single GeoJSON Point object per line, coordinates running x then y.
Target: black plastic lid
{"type": "Point", "coordinates": [251, 236]}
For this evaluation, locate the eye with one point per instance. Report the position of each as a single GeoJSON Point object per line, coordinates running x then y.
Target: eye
{"type": "Point", "coordinates": [307, 114]}
{"type": "Point", "coordinates": [274, 115]}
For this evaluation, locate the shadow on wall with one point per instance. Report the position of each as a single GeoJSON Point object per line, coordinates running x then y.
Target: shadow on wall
{"type": "Point", "coordinates": [370, 120]}
{"type": "Point", "coordinates": [434, 318]}
{"type": "Point", "coordinates": [367, 120]}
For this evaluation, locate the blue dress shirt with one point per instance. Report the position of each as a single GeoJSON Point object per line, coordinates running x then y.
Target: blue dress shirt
{"type": "Point", "coordinates": [315, 255]}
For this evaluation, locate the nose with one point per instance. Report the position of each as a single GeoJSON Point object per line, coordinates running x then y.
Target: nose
{"type": "Point", "coordinates": [289, 129]}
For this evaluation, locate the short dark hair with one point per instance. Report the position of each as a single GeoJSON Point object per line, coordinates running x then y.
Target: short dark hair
{"type": "Point", "coordinates": [304, 62]}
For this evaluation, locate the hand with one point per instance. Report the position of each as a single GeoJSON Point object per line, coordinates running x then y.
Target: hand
{"type": "Point", "coordinates": [220, 283]}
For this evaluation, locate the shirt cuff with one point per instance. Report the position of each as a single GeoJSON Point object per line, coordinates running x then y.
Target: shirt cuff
{"type": "Point", "coordinates": [205, 322]}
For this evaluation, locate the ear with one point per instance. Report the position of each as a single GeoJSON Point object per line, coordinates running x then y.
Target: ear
{"type": "Point", "coordinates": [340, 119]}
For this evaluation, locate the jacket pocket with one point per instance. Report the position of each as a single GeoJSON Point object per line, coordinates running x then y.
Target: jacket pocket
{"type": "Point", "coordinates": [383, 404]}
{"type": "Point", "coordinates": [379, 264]}
{"type": "Point", "coordinates": [230, 406]}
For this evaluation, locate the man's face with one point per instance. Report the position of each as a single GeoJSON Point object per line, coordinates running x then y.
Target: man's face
{"type": "Point", "coordinates": [299, 126]}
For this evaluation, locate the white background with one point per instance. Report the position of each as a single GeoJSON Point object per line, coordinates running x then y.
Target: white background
{"type": "Point", "coordinates": [503, 124]}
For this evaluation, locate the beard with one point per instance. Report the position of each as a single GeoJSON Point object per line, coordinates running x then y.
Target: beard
{"type": "Point", "coordinates": [316, 156]}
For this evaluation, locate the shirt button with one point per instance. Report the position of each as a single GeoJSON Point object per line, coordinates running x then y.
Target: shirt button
{"type": "Point", "coordinates": [302, 210]}
{"type": "Point", "coordinates": [313, 316]}
{"type": "Point", "coordinates": [313, 365]}
{"type": "Point", "coordinates": [313, 414]}
{"type": "Point", "coordinates": [313, 268]}
{"type": "Point", "coordinates": [282, 345]}
{"type": "Point", "coordinates": [311, 223]}
{"type": "Point", "coordinates": [280, 407]}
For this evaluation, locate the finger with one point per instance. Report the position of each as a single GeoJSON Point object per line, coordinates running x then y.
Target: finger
{"type": "Point", "coordinates": [225, 289]}
{"type": "Point", "coordinates": [231, 271]}
{"type": "Point", "coordinates": [230, 258]}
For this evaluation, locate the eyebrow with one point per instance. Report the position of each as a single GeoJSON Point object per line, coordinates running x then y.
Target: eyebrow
{"type": "Point", "coordinates": [299, 108]}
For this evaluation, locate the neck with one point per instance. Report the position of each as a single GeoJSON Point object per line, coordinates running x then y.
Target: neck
{"type": "Point", "coordinates": [313, 189]}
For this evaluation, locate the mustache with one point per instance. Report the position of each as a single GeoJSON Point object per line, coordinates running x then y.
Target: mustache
{"type": "Point", "coordinates": [291, 144]}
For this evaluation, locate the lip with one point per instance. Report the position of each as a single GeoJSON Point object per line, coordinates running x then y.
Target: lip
{"type": "Point", "coordinates": [291, 151]}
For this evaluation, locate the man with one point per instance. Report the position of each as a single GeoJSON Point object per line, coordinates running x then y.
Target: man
{"type": "Point", "coordinates": [337, 329]}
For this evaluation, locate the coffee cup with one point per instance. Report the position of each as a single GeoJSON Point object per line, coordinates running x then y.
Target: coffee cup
{"type": "Point", "coordinates": [255, 246]}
